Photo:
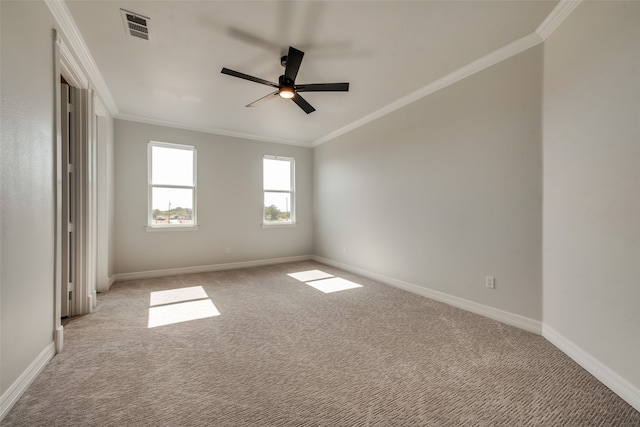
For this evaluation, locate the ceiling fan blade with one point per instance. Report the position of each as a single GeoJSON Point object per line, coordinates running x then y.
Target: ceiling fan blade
{"type": "Point", "coordinates": [302, 103]}
{"type": "Point", "coordinates": [247, 77]}
{"type": "Point", "coordinates": [263, 99]}
{"type": "Point", "coordinates": [294, 59]}
{"type": "Point", "coordinates": [323, 87]}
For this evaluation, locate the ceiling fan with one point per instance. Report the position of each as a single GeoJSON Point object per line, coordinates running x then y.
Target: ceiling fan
{"type": "Point", "coordinates": [286, 86]}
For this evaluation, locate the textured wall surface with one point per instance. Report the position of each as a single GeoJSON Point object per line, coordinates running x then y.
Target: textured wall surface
{"type": "Point", "coordinates": [591, 176]}
{"type": "Point", "coordinates": [26, 187]}
{"type": "Point", "coordinates": [444, 191]}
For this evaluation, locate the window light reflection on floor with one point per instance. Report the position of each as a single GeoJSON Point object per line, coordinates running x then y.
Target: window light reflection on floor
{"type": "Point", "coordinates": [309, 275]}
{"type": "Point", "coordinates": [324, 282]}
{"type": "Point", "coordinates": [179, 305]}
{"type": "Point", "coordinates": [334, 284]}
{"type": "Point", "coordinates": [177, 295]}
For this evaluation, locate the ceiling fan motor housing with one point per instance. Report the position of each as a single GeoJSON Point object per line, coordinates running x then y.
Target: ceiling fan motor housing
{"type": "Point", "coordinates": [285, 81]}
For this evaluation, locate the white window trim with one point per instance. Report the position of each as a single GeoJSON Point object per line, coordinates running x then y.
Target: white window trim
{"type": "Point", "coordinates": [293, 221]}
{"type": "Point", "coordinates": [280, 225]}
{"type": "Point", "coordinates": [171, 227]}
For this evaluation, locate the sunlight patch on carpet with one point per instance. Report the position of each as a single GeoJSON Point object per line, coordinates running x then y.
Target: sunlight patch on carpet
{"type": "Point", "coordinates": [324, 282]}
{"type": "Point", "coordinates": [309, 275]}
{"type": "Point", "coordinates": [177, 295]}
{"type": "Point", "coordinates": [334, 284]}
{"type": "Point", "coordinates": [179, 305]}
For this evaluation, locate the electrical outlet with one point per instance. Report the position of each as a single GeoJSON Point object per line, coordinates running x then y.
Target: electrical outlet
{"type": "Point", "coordinates": [229, 250]}
{"type": "Point", "coordinates": [490, 282]}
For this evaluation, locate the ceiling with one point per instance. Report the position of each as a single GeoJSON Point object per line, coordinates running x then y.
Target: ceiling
{"type": "Point", "coordinates": [385, 49]}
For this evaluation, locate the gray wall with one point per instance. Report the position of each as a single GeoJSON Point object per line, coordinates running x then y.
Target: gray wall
{"type": "Point", "coordinates": [444, 191]}
{"type": "Point", "coordinates": [592, 183]}
{"type": "Point", "coordinates": [229, 202]}
{"type": "Point", "coordinates": [26, 187]}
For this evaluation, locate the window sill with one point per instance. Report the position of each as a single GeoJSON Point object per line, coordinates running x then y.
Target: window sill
{"type": "Point", "coordinates": [279, 225]}
{"type": "Point", "coordinates": [156, 229]}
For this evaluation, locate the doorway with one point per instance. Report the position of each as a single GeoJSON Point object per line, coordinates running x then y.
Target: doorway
{"type": "Point", "coordinates": [77, 188]}
{"type": "Point", "coordinates": [75, 192]}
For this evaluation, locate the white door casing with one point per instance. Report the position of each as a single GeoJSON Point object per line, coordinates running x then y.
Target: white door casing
{"type": "Point", "coordinates": [75, 206]}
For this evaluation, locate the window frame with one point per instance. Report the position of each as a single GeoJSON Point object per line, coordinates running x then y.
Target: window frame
{"type": "Point", "coordinates": [150, 186]}
{"type": "Point", "coordinates": [292, 193]}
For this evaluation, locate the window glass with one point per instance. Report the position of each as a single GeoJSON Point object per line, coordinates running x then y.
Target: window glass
{"type": "Point", "coordinates": [172, 166]}
{"type": "Point", "coordinates": [278, 187]}
{"type": "Point", "coordinates": [277, 174]}
{"type": "Point", "coordinates": [172, 189]}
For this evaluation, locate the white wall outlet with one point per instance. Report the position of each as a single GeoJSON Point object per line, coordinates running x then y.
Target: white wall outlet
{"type": "Point", "coordinates": [344, 250]}
{"type": "Point", "coordinates": [490, 282]}
{"type": "Point", "coordinates": [229, 250]}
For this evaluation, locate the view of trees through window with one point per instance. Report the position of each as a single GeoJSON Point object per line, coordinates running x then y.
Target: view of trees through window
{"type": "Point", "coordinates": [272, 213]}
{"type": "Point", "coordinates": [178, 215]}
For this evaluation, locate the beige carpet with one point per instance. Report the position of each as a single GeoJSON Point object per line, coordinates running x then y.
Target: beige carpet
{"type": "Point", "coordinates": [283, 353]}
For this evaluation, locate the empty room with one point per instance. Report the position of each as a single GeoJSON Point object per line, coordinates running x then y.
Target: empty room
{"type": "Point", "coordinates": [319, 213]}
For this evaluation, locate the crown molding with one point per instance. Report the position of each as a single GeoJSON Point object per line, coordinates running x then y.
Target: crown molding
{"type": "Point", "coordinates": [486, 61]}
{"type": "Point", "coordinates": [556, 17]}
{"type": "Point", "coordinates": [72, 35]}
{"type": "Point", "coordinates": [214, 131]}
{"type": "Point", "coordinates": [69, 67]}
{"type": "Point", "coordinates": [77, 45]}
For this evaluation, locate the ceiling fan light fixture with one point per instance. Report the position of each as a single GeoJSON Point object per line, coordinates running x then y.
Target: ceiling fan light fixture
{"type": "Point", "coordinates": [286, 92]}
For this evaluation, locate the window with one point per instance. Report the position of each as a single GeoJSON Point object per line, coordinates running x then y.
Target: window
{"type": "Point", "coordinates": [278, 185]}
{"type": "Point", "coordinates": [172, 185]}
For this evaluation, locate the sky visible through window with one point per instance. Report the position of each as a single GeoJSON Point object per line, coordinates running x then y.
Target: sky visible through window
{"type": "Point", "coordinates": [179, 198]}
{"type": "Point", "coordinates": [277, 175]}
{"type": "Point", "coordinates": [172, 166]}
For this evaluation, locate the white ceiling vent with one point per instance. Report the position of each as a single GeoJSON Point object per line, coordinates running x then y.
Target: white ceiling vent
{"type": "Point", "coordinates": [135, 25]}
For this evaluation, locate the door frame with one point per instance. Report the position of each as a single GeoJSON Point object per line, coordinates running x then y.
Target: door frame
{"type": "Point", "coordinates": [67, 67]}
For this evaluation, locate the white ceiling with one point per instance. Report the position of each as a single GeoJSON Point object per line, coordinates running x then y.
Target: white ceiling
{"type": "Point", "coordinates": [385, 49]}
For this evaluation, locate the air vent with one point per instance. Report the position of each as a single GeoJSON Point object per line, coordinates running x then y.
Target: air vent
{"type": "Point", "coordinates": [135, 25]}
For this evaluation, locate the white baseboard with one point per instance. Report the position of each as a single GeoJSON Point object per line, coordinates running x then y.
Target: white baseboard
{"type": "Point", "coordinates": [17, 389]}
{"type": "Point", "coordinates": [623, 388]}
{"type": "Point", "coordinates": [58, 338]}
{"type": "Point", "coordinates": [208, 268]}
{"type": "Point", "coordinates": [104, 283]}
{"type": "Point", "coordinates": [506, 317]}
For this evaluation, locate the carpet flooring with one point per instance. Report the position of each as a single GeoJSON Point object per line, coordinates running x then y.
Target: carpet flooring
{"type": "Point", "coordinates": [258, 347]}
